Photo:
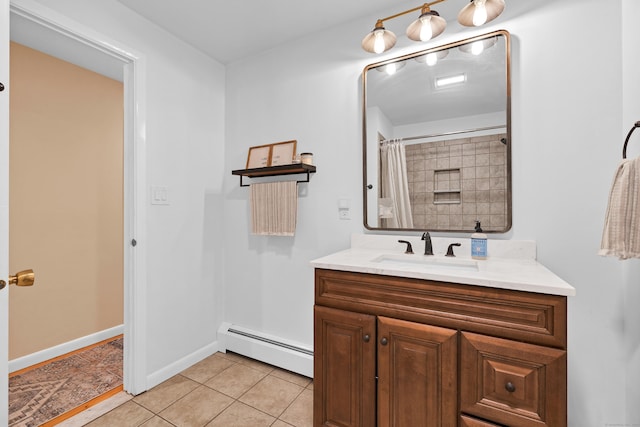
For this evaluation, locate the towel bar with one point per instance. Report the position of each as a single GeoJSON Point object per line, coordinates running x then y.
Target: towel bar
{"type": "Point", "coordinates": [626, 141]}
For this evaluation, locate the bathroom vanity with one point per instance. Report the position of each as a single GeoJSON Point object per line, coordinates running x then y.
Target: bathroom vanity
{"type": "Point", "coordinates": [414, 340]}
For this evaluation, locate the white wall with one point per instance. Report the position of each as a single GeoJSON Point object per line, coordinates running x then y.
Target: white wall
{"type": "Point", "coordinates": [185, 152]}
{"type": "Point", "coordinates": [631, 271]}
{"type": "Point", "coordinates": [567, 136]}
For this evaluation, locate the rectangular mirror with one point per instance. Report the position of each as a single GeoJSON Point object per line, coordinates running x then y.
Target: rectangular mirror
{"type": "Point", "coordinates": [437, 138]}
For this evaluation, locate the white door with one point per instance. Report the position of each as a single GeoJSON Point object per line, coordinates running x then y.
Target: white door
{"type": "Point", "coordinates": [4, 212]}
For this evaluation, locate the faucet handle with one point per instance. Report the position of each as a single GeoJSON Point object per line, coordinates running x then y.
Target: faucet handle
{"type": "Point", "coordinates": [409, 248]}
{"type": "Point", "coordinates": [450, 249]}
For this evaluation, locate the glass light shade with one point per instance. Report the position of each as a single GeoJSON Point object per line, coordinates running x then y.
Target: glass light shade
{"type": "Point", "coordinates": [477, 47]}
{"type": "Point", "coordinates": [391, 68]}
{"type": "Point", "coordinates": [379, 40]}
{"type": "Point", "coordinates": [479, 12]}
{"type": "Point", "coordinates": [432, 58]}
{"type": "Point", "coordinates": [428, 26]}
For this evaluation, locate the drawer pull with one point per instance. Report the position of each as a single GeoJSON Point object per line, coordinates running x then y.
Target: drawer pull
{"type": "Point", "coordinates": [383, 341]}
{"type": "Point", "coordinates": [366, 338]}
{"type": "Point", "coordinates": [510, 387]}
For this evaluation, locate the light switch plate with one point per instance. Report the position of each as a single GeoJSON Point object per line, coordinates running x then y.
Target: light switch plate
{"type": "Point", "coordinates": [159, 195]}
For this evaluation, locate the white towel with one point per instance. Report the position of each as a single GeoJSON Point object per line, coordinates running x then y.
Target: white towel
{"type": "Point", "coordinates": [274, 208]}
{"type": "Point", "coordinates": [621, 235]}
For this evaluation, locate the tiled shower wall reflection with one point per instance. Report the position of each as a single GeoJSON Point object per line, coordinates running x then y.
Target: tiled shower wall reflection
{"type": "Point", "coordinates": [456, 182]}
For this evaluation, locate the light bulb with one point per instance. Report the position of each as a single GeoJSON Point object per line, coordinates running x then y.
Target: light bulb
{"type": "Point", "coordinates": [425, 29]}
{"type": "Point", "coordinates": [391, 69]}
{"type": "Point", "coordinates": [378, 45]}
{"type": "Point", "coordinates": [477, 47]}
{"type": "Point", "coordinates": [432, 59]}
{"type": "Point", "coordinates": [480, 13]}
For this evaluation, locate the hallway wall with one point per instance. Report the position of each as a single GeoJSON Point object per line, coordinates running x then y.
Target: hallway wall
{"type": "Point", "coordinates": [66, 203]}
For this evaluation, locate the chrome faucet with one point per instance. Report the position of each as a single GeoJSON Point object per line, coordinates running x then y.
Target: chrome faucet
{"type": "Point", "coordinates": [428, 249]}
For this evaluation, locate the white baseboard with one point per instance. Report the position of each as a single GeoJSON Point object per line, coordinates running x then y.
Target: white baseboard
{"type": "Point", "coordinates": [64, 348]}
{"type": "Point", "coordinates": [178, 366]}
{"type": "Point", "coordinates": [266, 348]}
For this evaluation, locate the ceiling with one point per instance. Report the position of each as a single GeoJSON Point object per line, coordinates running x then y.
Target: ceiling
{"type": "Point", "coordinates": [231, 30]}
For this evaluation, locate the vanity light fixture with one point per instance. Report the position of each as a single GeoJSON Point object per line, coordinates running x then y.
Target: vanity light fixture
{"type": "Point", "coordinates": [391, 68]}
{"type": "Point", "coordinates": [432, 58]}
{"type": "Point", "coordinates": [430, 24]}
{"type": "Point", "coordinates": [479, 12]}
{"type": "Point", "coordinates": [479, 46]}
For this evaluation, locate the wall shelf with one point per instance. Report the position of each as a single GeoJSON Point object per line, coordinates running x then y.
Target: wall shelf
{"type": "Point", "coordinates": [292, 169]}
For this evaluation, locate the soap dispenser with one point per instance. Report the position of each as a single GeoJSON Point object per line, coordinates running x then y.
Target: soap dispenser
{"type": "Point", "coordinates": [478, 243]}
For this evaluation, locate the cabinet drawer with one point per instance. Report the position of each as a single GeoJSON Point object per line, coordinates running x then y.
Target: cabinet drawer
{"type": "Point", "coordinates": [513, 383]}
{"type": "Point", "coordinates": [522, 316]}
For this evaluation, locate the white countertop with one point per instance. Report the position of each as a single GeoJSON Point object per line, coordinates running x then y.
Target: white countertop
{"type": "Point", "coordinates": [511, 264]}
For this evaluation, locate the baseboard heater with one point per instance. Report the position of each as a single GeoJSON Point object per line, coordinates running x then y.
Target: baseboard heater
{"type": "Point", "coordinates": [267, 348]}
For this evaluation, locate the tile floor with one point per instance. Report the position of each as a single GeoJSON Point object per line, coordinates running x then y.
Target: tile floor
{"type": "Point", "coordinates": [222, 390]}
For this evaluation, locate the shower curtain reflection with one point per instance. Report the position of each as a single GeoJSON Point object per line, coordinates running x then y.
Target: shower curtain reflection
{"type": "Point", "coordinates": [395, 207]}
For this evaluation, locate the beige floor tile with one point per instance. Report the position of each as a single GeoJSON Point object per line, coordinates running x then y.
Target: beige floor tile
{"type": "Point", "coordinates": [271, 395]}
{"type": "Point", "coordinates": [207, 368]}
{"type": "Point", "coordinates": [241, 415]}
{"type": "Point", "coordinates": [163, 395]}
{"type": "Point", "coordinates": [130, 414]}
{"type": "Point", "coordinates": [197, 408]}
{"type": "Point", "coordinates": [300, 412]}
{"type": "Point", "coordinates": [292, 377]}
{"type": "Point", "coordinates": [236, 380]}
{"type": "Point", "coordinates": [234, 357]}
{"type": "Point", "coordinates": [255, 364]}
{"type": "Point", "coordinates": [310, 386]}
{"type": "Point", "coordinates": [157, 422]}
{"type": "Point", "coordinates": [280, 423]}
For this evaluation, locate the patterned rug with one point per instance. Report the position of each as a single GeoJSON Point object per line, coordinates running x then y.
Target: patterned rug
{"type": "Point", "coordinates": [61, 386]}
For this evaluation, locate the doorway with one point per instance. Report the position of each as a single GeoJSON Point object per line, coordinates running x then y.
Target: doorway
{"type": "Point", "coordinates": [73, 39]}
{"type": "Point", "coordinates": [66, 203]}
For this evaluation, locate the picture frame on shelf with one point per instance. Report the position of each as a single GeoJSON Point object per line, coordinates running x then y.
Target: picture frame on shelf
{"type": "Point", "coordinates": [282, 153]}
{"type": "Point", "coordinates": [259, 156]}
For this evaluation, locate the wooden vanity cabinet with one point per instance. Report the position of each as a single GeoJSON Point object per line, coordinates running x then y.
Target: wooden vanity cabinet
{"type": "Point", "coordinates": [393, 351]}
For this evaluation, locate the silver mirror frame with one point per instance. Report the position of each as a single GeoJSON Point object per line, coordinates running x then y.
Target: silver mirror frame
{"type": "Point", "coordinates": [367, 187]}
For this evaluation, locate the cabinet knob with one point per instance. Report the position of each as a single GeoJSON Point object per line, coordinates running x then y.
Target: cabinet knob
{"type": "Point", "coordinates": [510, 387]}
{"type": "Point", "coordinates": [366, 338]}
{"type": "Point", "coordinates": [383, 341]}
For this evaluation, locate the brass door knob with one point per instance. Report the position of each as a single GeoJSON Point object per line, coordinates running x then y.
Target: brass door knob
{"type": "Point", "coordinates": [23, 278]}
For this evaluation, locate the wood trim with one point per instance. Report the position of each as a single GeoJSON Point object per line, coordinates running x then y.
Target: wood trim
{"type": "Point", "coordinates": [57, 420]}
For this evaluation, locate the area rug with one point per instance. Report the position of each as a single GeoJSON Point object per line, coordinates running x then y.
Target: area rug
{"type": "Point", "coordinates": [66, 385]}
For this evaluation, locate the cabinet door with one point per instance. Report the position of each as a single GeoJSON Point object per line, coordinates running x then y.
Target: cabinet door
{"type": "Point", "coordinates": [472, 422]}
{"type": "Point", "coordinates": [344, 368]}
{"type": "Point", "coordinates": [513, 383]}
{"type": "Point", "coordinates": [417, 375]}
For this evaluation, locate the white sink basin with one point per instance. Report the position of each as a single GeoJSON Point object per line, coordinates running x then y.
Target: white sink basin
{"type": "Point", "coordinates": [416, 260]}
